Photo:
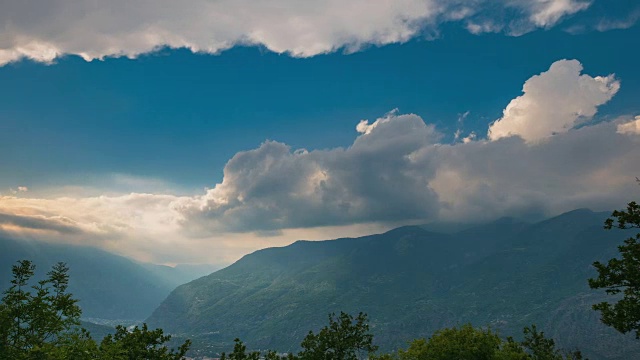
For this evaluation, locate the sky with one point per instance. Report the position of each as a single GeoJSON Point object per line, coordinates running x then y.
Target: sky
{"type": "Point", "coordinates": [201, 131]}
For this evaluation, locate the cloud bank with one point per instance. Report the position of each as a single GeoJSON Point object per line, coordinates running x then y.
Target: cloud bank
{"type": "Point", "coordinates": [44, 30]}
{"type": "Point", "coordinates": [534, 162]}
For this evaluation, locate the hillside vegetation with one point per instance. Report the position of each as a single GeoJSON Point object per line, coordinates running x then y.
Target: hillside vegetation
{"type": "Point", "coordinates": [412, 282]}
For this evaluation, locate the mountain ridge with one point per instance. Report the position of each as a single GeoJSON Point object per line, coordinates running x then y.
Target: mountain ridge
{"type": "Point", "coordinates": [411, 282]}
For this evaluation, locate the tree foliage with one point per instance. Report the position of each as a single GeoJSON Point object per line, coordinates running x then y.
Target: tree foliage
{"type": "Point", "coordinates": [455, 343]}
{"type": "Point", "coordinates": [469, 343]}
{"type": "Point", "coordinates": [345, 338]}
{"type": "Point", "coordinates": [141, 343]}
{"type": "Point", "coordinates": [240, 353]}
{"type": "Point", "coordinates": [36, 320]}
{"type": "Point", "coordinates": [42, 322]}
{"type": "Point", "coordinates": [540, 348]}
{"type": "Point", "coordinates": [621, 275]}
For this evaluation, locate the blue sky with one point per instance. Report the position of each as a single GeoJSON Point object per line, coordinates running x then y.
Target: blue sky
{"type": "Point", "coordinates": [179, 116]}
{"type": "Point", "coordinates": [89, 113]}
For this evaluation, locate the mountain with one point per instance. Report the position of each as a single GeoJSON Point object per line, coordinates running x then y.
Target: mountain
{"type": "Point", "coordinates": [109, 287]}
{"type": "Point", "coordinates": [411, 281]}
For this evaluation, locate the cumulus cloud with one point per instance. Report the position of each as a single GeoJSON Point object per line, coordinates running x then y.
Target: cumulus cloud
{"type": "Point", "coordinates": [396, 171]}
{"type": "Point", "coordinates": [45, 30]}
{"type": "Point", "coordinates": [399, 172]}
{"type": "Point", "coordinates": [554, 102]}
{"type": "Point", "coordinates": [591, 167]}
{"type": "Point", "coordinates": [273, 187]}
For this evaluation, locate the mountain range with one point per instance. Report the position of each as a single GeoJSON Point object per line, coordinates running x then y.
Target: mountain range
{"type": "Point", "coordinates": [410, 281]}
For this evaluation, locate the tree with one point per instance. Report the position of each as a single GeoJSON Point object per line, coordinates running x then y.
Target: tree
{"type": "Point", "coordinates": [240, 353]}
{"type": "Point", "coordinates": [77, 345]}
{"type": "Point", "coordinates": [42, 322]}
{"type": "Point", "coordinates": [36, 323]}
{"type": "Point", "coordinates": [463, 343]}
{"type": "Point", "coordinates": [621, 275]}
{"type": "Point", "coordinates": [541, 348]}
{"type": "Point", "coordinates": [141, 343]}
{"type": "Point", "coordinates": [469, 343]}
{"type": "Point", "coordinates": [345, 338]}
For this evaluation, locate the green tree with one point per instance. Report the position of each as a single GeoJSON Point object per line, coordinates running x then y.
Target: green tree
{"type": "Point", "coordinates": [77, 345]}
{"type": "Point", "coordinates": [41, 322]}
{"type": "Point", "coordinates": [345, 338]}
{"type": "Point", "coordinates": [621, 275]}
{"type": "Point", "coordinates": [240, 352]}
{"type": "Point", "coordinates": [469, 343]}
{"type": "Point", "coordinates": [35, 320]}
{"type": "Point", "coordinates": [464, 343]}
{"type": "Point", "coordinates": [541, 348]}
{"type": "Point", "coordinates": [140, 343]}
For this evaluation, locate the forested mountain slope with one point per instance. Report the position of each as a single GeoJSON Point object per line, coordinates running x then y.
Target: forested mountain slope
{"type": "Point", "coordinates": [411, 282]}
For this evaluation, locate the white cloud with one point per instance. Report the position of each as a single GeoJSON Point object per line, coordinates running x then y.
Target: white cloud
{"type": "Point", "coordinates": [632, 127]}
{"type": "Point", "coordinates": [397, 171]}
{"type": "Point", "coordinates": [554, 102]}
{"type": "Point", "coordinates": [273, 187]}
{"type": "Point", "coordinates": [591, 167]}
{"type": "Point", "coordinates": [485, 26]}
{"type": "Point", "coordinates": [518, 17]}
{"type": "Point", "coordinates": [471, 137]}
{"type": "Point", "coordinates": [44, 30]}
{"type": "Point", "coordinates": [545, 13]}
